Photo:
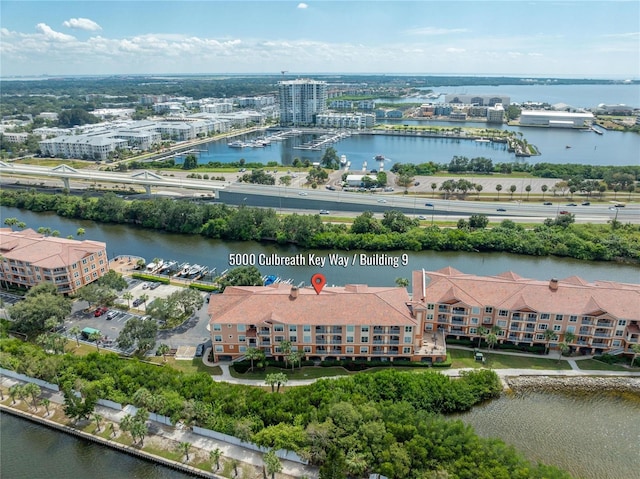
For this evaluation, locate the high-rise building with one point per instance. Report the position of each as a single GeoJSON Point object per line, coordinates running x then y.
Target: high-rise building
{"type": "Point", "coordinates": [301, 100]}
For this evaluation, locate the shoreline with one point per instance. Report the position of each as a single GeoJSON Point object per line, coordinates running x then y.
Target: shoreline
{"type": "Point", "coordinates": [594, 383]}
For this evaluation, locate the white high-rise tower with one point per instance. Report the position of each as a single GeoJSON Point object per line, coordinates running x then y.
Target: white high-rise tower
{"type": "Point", "coordinates": [301, 100]}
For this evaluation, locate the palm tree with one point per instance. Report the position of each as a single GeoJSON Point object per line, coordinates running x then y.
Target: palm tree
{"type": "Point", "coordinates": [273, 463]}
{"type": "Point", "coordinates": [34, 391]}
{"type": "Point", "coordinates": [144, 298]}
{"type": "Point", "coordinates": [128, 296]}
{"type": "Point", "coordinates": [45, 402]}
{"type": "Point", "coordinates": [234, 464]}
{"type": "Point", "coordinates": [163, 349]}
{"type": "Point", "coordinates": [478, 189]}
{"type": "Point", "coordinates": [512, 190]}
{"type": "Point", "coordinates": [215, 456]}
{"type": "Point", "coordinates": [402, 282]}
{"type": "Point", "coordinates": [98, 419]}
{"type": "Point", "coordinates": [492, 340]}
{"type": "Point", "coordinates": [481, 332]}
{"type": "Point", "coordinates": [498, 189]}
{"type": "Point", "coordinates": [15, 390]}
{"type": "Point", "coordinates": [564, 348]}
{"type": "Point", "coordinates": [184, 447]}
{"type": "Point", "coordinates": [528, 190]}
{"type": "Point", "coordinates": [549, 335]}
{"type": "Point", "coordinates": [271, 380]}
{"type": "Point", "coordinates": [544, 189]}
{"type": "Point", "coordinates": [434, 186]}
{"type": "Point", "coordinates": [252, 354]}
{"type": "Point", "coordinates": [96, 336]}
{"type": "Point", "coordinates": [112, 428]}
{"type": "Point", "coordinates": [76, 332]}
{"type": "Point", "coordinates": [356, 464]}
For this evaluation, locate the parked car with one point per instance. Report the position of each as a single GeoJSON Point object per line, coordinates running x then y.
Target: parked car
{"type": "Point", "coordinates": [100, 311]}
{"type": "Point", "coordinates": [329, 187]}
{"type": "Point", "coordinates": [111, 315]}
{"type": "Point", "coordinates": [501, 209]}
{"type": "Point", "coordinates": [154, 285]}
{"type": "Point", "coordinates": [547, 203]}
{"type": "Point", "coordinates": [145, 285]}
{"type": "Point", "coordinates": [324, 212]}
{"type": "Point", "coordinates": [199, 350]}
{"type": "Point", "coordinates": [586, 203]}
{"type": "Point", "coordinates": [137, 302]}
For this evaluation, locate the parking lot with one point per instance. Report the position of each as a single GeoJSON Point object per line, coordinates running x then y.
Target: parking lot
{"type": "Point", "coordinates": [190, 334]}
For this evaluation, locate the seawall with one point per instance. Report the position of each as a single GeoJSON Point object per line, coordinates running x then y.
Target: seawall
{"type": "Point", "coordinates": [573, 383]}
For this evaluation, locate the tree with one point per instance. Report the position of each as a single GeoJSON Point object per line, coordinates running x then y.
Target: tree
{"type": "Point", "coordinates": [113, 280]}
{"type": "Point", "coordinates": [97, 337]}
{"type": "Point", "coordinates": [528, 190]}
{"type": "Point", "coordinates": [330, 159]}
{"type": "Point", "coordinates": [636, 352]}
{"type": "Point", "coordinates": [79, 406]}
{"type": "Point", "coordinates": [234, 464]}
{"type": "Point", "coordinates": [404, 181]}
{"type": "Point", "coordinates": [98, 419]}
{"type": "Point", "coordinates": [563, 349]}
{"type": "Point", "coordinates": [272, 462]}
{"type": "Point", "coordinates": [46, 402]}
{"type": "Point", "coordinates": [163, 349]}
{"type": "Point", "coordinates": [498, 189]}
{"type": "Point", "coordinates": [185, 447]}
{"type": "Point", "coordinates": [544, 189]}
{"type": "Point", "coordinates": [549, 335]}
{"type": "Point", "coordinates": [481, 331]}
{"type": "Point", "coordinates": [569, 337]}
{"type": "Point", "coordinates": [434, 187]}
{"type": "Point", "coordinates": [252, 354]}
{"type": "Point", "coordinates": [190, 162]}
{"type": "Point", "coordinates": [402, 282]}
{"type": "Point", "coordinates": [41, 303]}
{"type": "Point", "coordinates": [33, 390]}
{"type": "Point", "coordinates": [242, 276]}
{"type": "Point", "coordinates": [128, 296]}
{"type": "Point", "coordinates": [512, 190]}
{"type": "Point", "coordinates": [139, 334]}
{"type": "Point", "coordinates": [215, 456]}
{"type": "Point", "coordinates": [75, 330]}
{"type": "Point", "coordinates": [276, 379]}
{"type": "Point", "coordinates": [479, 222]}
{"type": "Point", "coordinates": [492, 340]}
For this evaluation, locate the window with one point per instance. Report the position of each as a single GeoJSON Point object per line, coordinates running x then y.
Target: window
{"type": "Point", "coordinates": [616, 342]}
{"type": "Point", "coordinates": [430, 316]}
{"type": "Point", "coordinates": [350, 328]}
{"type": "Point", "coordinates": [349, 349]}
{"type": "Point", "coordinates": [217, 327]}
{"type": "Point", "coordinates": [559, 317]}
{"type": "Point", "coordinates": [219, 348]}
{"type": "Point", "coordinates": [503, 312]}
{"type": "Point", "coordinates": [431, 306]}
{"type": "Point", "coordinates": [542, 327]}
{"type": "Point", "coordinates": [217, 338]}
{"type": "Point", "coordinates": [408, 329]}
{"type": "Point", "coordinates": [539, 337]}
{"type": "Point", "coordinates": [278, 339]}
{"type": "Point", "coordinates": [349, 339]}
{"type": "Point", "coordinates": [86, 270]}
{"type": "Point", "coordinates": [242, 339]}
{"type": "Point", "coordinates": [622, 322]}
{"type": "Point", "coordinates": [292, 328]}
{"type": "Point", "coordinates": [571, 329]}
{"type": "Point", "coordinates": [475, 310]}
{"type": "Point", "coordinates": [241, 328]}
{"type": "Point", "coordinates": [544, 316]}
{"type": "Point", "coordinates": [407, 339]}
{"type": "Point", "coordinates": [556, 327]}
{"type": "Point", "coordinates": [474, 320]}
{"type": "Point", "coordinates": [306, 338]}
{"type": "Point", "coordinates": [428, 327]}
{"type": "Point", "coordinates": [364, 349]}
{"type": "Point", "coordinates": [364, 329]}
{"type": "Point", "coordinates": [306, 349]}
{"type": "Point", "coordinates": [573, 318]}
{"type": "Point", "coordinates": [293, 338]}
{"type": "Point", "coordinates": [93, 266]}
{"type": "Point", "coordinates": [278, 328]}
{"type": "Point", "coordinates": [364, 339]}
{"type": "Point", "coordinates": [84, 261]}
{"type": "Point", "coordinates": [502, 323]}
{"type": "Point", "coordinates": [306, 328]}
{"type": "Point", "coordinates": [242, 349]}
{"type": "Point", "coordinates": [406, 350]}
{"type": "Point", "coordinates": [486, 320]}
{"type": "Point", "coordinates": [619, 333]}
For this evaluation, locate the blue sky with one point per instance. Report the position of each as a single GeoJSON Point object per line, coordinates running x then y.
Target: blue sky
{"type": "Point", "coordinates": [581, 38]}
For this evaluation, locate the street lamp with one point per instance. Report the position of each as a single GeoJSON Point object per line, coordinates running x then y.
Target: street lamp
{"type": "Point", "coordinates": [433, 208]}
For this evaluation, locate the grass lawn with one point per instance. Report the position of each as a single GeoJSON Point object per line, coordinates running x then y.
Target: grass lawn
{"type": "Point", "coordinates": [595, 365]}
{"type": "Point", "coordinates": [464, 359]}
{"type": "Point", "coordinates": [304, 373]}
{"type": "Point", "coordinates": [188, 366]}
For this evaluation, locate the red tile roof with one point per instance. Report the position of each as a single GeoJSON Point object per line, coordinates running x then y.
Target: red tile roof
{"type": "Point", "coordinates": [351, 304]}
{"type": "Point", "coordinates": [509, 291]}
{"type": "Point", "coordinates": [45, 251]}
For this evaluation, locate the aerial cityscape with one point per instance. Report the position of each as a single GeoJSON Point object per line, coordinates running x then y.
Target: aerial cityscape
{"type": "Point", "coordinates": [321, 239]}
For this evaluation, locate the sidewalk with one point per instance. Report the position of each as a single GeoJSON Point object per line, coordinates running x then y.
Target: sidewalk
{"type": "Point", "coordinates": [164, 433]}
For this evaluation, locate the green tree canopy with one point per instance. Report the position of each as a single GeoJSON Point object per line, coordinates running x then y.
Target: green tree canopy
{"type": "Point", "coordinates": [41, 303]}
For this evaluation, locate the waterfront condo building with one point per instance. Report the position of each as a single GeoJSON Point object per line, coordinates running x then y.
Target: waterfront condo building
{"type": "Point", "coordinates": [29, 258]}
{"type": "Point", "coordinates": [351, 322]}
{"type": "Point", "coordinates": [301, 100]}
{"type": "Point", "coordinates": [601, 316]}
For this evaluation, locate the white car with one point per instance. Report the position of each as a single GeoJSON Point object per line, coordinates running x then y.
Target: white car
{"type": "Point", "coordinates": [382, 200]}
{"type": "Point", "coordinates": [324, 212]}
{"type": "Point", "coordinates": [303, 193]}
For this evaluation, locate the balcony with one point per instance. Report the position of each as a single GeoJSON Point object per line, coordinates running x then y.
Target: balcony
{"type": "Point", "coordinates": [443, 309]}
{"type": "Point", "coordinates": [604, 324]}
{"type": "Point", "coordinates": [530, 330]}
{"type": "Point", "coordinates": [585, 331]}
{"type": "Point", "coordinates": [378, 330]}
{"type": "Point", "coordinates": [586, 321]}
{"type": "Point", "coordinates": [516, 328]}
{"type": "Point", "coordinates": [457, 320]}
{"type": "Point", "coordinates": [459, 311]}
{"type": "Point", "coordinates": [602, 334]}
{"type": "Point", "coordinates": [516, 317]}
{"type": "Point", "coordinates": [321, 341]}
{"type": "Point", "coordinates": [443, 319]}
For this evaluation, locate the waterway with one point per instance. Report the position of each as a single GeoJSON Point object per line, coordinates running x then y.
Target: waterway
{"type": "Point", "coordinates": [543, 426]}
{"type": "Point", "coordinates": [149, 244]}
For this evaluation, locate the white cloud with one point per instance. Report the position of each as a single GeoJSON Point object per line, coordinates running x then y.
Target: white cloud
{"type": "Point", "coordinates": [434, 31]}
{"type": "Point", "coordinates": [454, 50]}
{"type": "Point", "coordinates": [302, 6]}
{"type": "Point", "coordinates": [82, 24]}
{"type": "Point", "coordinates": [51, 34]}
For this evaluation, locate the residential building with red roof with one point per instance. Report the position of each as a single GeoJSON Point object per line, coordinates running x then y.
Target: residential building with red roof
{"type": "Point", "coordinates": [355, 321]}
{"type": "Point", "coordinates": [29, 258]}
{"type": "Point", "coordinates": [603, 316]}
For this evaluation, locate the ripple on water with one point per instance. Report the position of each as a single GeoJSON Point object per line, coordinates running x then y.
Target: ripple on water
{"type": "Point", "coordinates": [591, 435]}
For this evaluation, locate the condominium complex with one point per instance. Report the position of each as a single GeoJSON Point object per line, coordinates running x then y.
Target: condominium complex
{"type": "Point", "coordinates": [301, 100]}
{"type": "Point", "coordinates": [480, 100]}
{"type": "Point", "coordinates": [346, 120]}
{"type": "Point", "coordinates": [30, 258]}
{"type": "Point", "coordinates": [602, 316]}
{"type": "Point", "coordinates": [354, 321]}
{"type": "Point", "coordinates": [363, 322]}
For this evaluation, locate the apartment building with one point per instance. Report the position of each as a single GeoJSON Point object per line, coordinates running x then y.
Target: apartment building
{"type": "Point", "coordinates": [301, 100]}
{"type": "Point", "coordinates": [602, 316]}
{"type": "Point", "coordinates": [346, 120]}
{"type": "Point", "coordinates": [557, 119]}
{"type": "Point", "coordinates": [350, 322]}
{"type": "Point", "coordinates": [29, 258]}
{"type": "Point", "coordinates": [480, 100]}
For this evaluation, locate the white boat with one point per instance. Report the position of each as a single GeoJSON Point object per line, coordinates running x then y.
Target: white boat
{"type": "Point", "coordinates": [194, 269]}
{"type": "Point", "coordinates": [151, 267]}
{"type": "Point", "coordinates": [343, 159]}
{"type": "Point", "coordinates": [185, 269]}
{"type": "Point", "coordinates": [236, 144]}
{"type": "Point", "coordinates": [482, 140]}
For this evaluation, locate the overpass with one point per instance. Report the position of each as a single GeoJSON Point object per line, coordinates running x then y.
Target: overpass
{"type": "Point", "coordinates": [143, 178]}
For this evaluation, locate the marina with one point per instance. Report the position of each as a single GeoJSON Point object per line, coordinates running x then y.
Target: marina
{"type": "Point", "coordinates": [322, 141]}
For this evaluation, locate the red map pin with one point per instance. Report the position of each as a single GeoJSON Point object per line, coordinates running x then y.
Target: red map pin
{"type": "Point", "coordinates": [318, 281]}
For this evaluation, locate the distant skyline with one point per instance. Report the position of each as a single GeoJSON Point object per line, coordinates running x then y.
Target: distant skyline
{"type": "Point", "coordinates": [577, 39]}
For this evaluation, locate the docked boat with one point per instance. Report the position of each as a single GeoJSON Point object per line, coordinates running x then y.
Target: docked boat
{"type": "Point", "coordinates": [185, 269]}
{"type": "Point", "coordinates": [195, 269]}
{"type": "Point", "coordinates": [482, 140]}
{"type": "Point", "coordinates": [236, 144]}
{"type": "Point", "coordinates": [343, 160]}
